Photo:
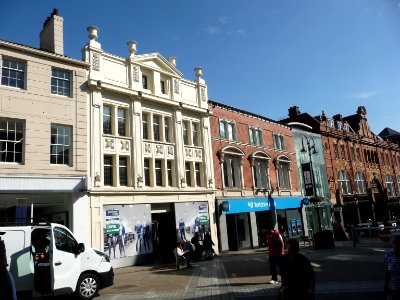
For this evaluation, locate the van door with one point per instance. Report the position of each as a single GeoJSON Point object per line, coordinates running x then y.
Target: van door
{"type": "Point", "coordinates": [65, 263]}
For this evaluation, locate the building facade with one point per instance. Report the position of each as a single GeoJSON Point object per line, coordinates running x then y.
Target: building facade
{"type": "Point", "coordinates": [256, 177]}
{"type": "Point", "coordinates": [151, 173]}
{"type": "Point", "coordinates": [362, 168]}
{"type": "Point", "coordinates": [43, 130]}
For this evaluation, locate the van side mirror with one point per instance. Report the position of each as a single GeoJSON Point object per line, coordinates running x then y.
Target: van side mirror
{"type": "Point", "coordinates": [79, 248]}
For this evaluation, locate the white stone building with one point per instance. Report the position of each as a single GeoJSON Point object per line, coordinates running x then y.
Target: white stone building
{"type": "Point", "coordinates": [43, 141]}
{"type": "Point", "coordinates": [151, 173]}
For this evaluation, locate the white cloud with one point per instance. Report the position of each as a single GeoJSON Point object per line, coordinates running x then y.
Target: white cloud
{"type": "Point", "coordinates": [223, 20]}
{"type": "Point", "coordinates": [213, 29]}
{"type": "Point", "coordinates": [242, 32]}
{"type": "Point", "coordinates": [363, 95]}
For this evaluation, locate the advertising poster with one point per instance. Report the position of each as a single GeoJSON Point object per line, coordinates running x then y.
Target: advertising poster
{"type": "Point", "coordinates": [127, 230]}
{"type": "Point", "coordinates": [191, 217]}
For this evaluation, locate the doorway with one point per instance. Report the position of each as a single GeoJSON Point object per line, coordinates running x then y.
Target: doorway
{"type": "Point", "coordinates": [164, 235]}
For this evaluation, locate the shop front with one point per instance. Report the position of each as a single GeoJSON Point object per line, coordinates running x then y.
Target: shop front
{"type": "Point", "coordinates": [137, 233]}
{"type": "Point", "coordinates": [243, 222]}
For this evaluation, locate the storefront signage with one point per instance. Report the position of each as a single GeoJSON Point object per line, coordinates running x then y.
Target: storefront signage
{"type": "Point", "coordinates": [234, 206]}
{"type": "Point", "coordinates": [307, 178]}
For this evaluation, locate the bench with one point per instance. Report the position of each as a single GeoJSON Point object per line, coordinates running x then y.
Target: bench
{"type": "Point", "coordinates": [307, 239]}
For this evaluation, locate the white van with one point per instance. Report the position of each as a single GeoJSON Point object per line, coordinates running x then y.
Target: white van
{"type": "Point", "coordinates": [46, 259]}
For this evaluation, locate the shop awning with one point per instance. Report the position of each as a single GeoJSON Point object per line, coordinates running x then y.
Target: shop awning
{"type": "Point", "coordinates": [234, 206]}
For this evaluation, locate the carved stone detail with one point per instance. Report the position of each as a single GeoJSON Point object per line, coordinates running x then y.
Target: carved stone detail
{"type": "Point", "coordinates": [125, 145]}
{"type": "Point", "coordinates": [135, 73]}
{"type": "Point", "coordinates": [176, 86]}
{"type": "Point", "coordinates": [147, 148]}
{"type": "Point", "coordinates": [198, 153]}
{"type": "Point", "coordinates": [203, 94]}
{"type": "Point", "coordinates": [170, 150]}
{"type": "Point", "coordinates": [188, 152]}
{"type": "Point", "coordinates": [159, 149]}
{"type": "Point", "coordinates": [95, 62]}
{"type": "Point", "coordinates": [109, 144]}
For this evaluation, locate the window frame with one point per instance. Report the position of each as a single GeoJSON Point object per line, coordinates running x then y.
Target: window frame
{"type": "Point", "coordinates": [63, 80]}
{"type": "Point", "coordinates": [229, 128]}
{"type": "Point", "coordinates": [121, 121]}
{"type": "Point", "coordinates": [10, 69]}
{"type": "Point", "coordinates": [390, 186]}
{"type": "Point", "coordinates": [65, 161]}
{"type": "Point", "coordinates": [108, 169]}
{"type": "Point", "coordinates": [344, 182]}
{"type": "Point", "coordinates": [107, 120]}
{"type": "Point", "coordinates": [19, 131]}
{"type": "Point", "coordinates": [283, 173]}
{"type": "Point", "coordinates": [360, 183]}
{"type": "Point", "coordinates": [123, 169]}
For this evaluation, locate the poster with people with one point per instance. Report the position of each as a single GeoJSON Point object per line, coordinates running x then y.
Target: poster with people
{"type": "Point", "coordinates": [127, 230]}
{"type": "Point", "coordinates": [191, 217]}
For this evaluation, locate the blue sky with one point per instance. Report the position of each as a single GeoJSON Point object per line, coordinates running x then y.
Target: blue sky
{"type": "Point", "coordinates": [259, 55]}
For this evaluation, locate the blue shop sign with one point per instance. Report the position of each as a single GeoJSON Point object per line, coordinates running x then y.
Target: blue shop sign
{"type": "Point", "coordinates": [234, 206]}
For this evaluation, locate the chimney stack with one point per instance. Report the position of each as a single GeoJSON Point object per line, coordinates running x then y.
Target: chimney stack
{"type": "Point", "coordinates": [294, 111]}
{"type": "Point", "coordinates": [52, 34]}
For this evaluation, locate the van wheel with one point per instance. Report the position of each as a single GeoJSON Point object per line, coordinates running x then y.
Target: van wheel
{"type": "Point", "coordinates": [88, 286]}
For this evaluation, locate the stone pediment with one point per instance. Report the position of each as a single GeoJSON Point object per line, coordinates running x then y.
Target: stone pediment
{"type": "Point", "coordinates": [157, 62]}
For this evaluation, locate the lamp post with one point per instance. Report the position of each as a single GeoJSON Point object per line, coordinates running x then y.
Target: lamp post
{"type": "Point", "coordinates": [311, 151]}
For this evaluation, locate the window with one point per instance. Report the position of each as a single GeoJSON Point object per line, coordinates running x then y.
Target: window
{"type": "Point", "coordinates": [60, 145]}
{"type": "Point", "coordinates": [344, 183]}
{"type": "Point", "coordinates": [156, 128]}
{"type": "Point", "coordinates": [390, 185]}
{"type": "Point", "coordinates": [197, 174]}
{"type": "Point", "coordinates": [342, 152]}
{"type": "Point", "coordinates": [185, 125]}
{"type": "Point", "coordinates": [188, 174]}
{"type": "Point", "coordinates": [121, 122]}
{"type": "Point", "coordinates": [144, 82]}
{"type": "Point", "coordinates": [11, 140]}
{"type": "Point", "coordinates": [336, 150]}
{"type": "Point", "coordinates": [61, 82]}
{"type": "Point", "coordinates": [231, 159]}
{"type": "Point", "coordinates": [144, 125]}
{"type": "Point", "coordinates": [227, 130]}
{"type": "Point", "coordinates": [260, 173]}
{"type": "Point", "coordinates": [123, 171]}
{"type": "Point", "coordinates": [360, 184]}
{"type": "Point", "coordinates": [255, 136]}
{"type": "Point", "coordinates": [13, 73]}
{"type": "Point", "coordinates": [158, 172]}
{"type": "Point", "coordinates": [146, 166]}
{"type": "Point", "coordinates": [352, 153]}
{"type": "Point", "coordinates": [167, 129]}
{"type": "Point", "coordinates": [169, 173]}
{"type": "Point", "coordinates": [195, 134]}
{"type": "Point", "coordinates": [162, 87]}
{"type": "Point", "coordinates": [398, 182]}
{"type": "Point", "coordinates": [331, 123]}
{"type": "Point", "coordinates": [358, 154]}
{"type": "Point", "coordinates": [64, 240]}
{"type": "Point", "coordinates": [107, 129]}
{"type": "Point", "coordinates": [283, 166]}
{"type": "Point", "coordinates": [108, 170]}
{"type": "Point", "coordinates": [279, 142]}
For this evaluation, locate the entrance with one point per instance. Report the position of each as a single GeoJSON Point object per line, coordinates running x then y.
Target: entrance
{"type": "Point", "coordinates": [238, 227]}
{"type": "Point", "coordinates": [164, 235]}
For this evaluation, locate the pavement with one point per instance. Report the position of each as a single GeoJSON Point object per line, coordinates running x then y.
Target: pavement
{"type": "Point", "coordinates": [344, 273]}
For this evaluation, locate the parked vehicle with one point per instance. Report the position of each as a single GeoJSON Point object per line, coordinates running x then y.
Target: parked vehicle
{"type": "Point", "coordinates": [46, 259]}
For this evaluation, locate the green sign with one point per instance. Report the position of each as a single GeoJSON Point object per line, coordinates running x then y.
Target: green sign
{"type": "Point", "coordinates": [112, 228]}
{"type": "Point", "coordinates": [203, 220]}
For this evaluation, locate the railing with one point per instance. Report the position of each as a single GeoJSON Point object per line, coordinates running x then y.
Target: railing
{"type": "Point", "coordinates": [379, 236]}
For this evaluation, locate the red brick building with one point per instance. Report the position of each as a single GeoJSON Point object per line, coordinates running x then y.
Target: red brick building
{"type": "Point", "coordinates": [256, 176]}
{"type": "Point", "coordinates": [363, 169]}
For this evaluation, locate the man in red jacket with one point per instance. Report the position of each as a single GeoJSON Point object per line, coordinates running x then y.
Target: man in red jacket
{"type": "Point", "coordinates": [275, 252]}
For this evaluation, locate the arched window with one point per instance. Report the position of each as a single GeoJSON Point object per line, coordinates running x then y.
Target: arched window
{"type": "Point", "coordinates": [260, 165]}
{"type": "Point", "coordinates": [360, 184]}
{"type": "Point", "coordinates": [283, 170]}
{"type": "Point", "coordinates": [231, 159]}
{"type": "Point", "coordinates": [390, 185]}
{"type": "Point", "coordinates": [344, 183]}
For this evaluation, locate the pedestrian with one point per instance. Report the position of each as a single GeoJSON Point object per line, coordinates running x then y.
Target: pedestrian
{"type": "Point", "coordinates": [208, 243]}
{"type": "Point", "coordinates": [275, 252]}
{"type": "Point", "coordinates": [182, 254]}
{"type": "Point", "coordinates": [392, 269]}
{"type": "Point", "coordinates": [198, 248]}
{"type": "Point", "coordinates": [187, 247]}
{"type": "Point", "coordinates": [7, 284]}
{"type": "Point", "coordinates": [298, 276]}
